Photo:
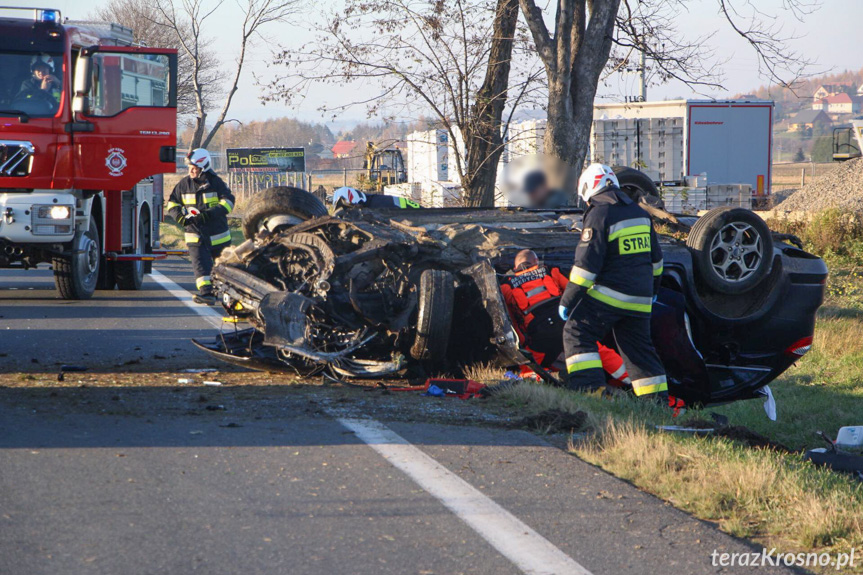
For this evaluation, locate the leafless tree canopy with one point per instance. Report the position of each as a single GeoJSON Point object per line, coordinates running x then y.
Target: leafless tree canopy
{"type": "Point", "coordinates": [591, 39]}
{"type": "Point", "coordinates": [188, 20]}
{"type": "Point", "coordinates": [414, 56]}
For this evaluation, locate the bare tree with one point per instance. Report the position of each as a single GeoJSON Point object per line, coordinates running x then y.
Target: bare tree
{"type": "Point", "coordinates": [593, 37]}
{"type": "Point", "coordinates": [149, 29]}
{"type": "Point", "coordinates": [187, 19]}
{"type": "Point", "coordinates": [452, 59]}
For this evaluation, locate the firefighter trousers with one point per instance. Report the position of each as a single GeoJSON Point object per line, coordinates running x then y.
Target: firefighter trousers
{"type": "Point", "coordinates": [203, 254]}
{"type": "Point", "coordinates": [590, 322]}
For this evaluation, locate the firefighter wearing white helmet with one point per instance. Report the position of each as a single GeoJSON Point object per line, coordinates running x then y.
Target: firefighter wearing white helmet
{"type": "Point", "coordinates": [200, 203]}
{"type": "Point", "coordinates": [612, 288]}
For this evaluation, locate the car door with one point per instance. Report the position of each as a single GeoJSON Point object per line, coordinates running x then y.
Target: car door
{"type": "Point", "coordinates": [125, 124]}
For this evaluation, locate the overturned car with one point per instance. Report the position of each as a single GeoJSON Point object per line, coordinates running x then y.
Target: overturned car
{"type": "Point", "coordinates": [372, 293]}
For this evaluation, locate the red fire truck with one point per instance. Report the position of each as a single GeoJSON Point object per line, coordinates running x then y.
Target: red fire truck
{"type": "Point", "coordinates": [87, 128]}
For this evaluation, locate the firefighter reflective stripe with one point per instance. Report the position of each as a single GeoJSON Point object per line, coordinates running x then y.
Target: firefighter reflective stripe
{"type": "Point", "coordinates": [211, 198]}
{"type": "Point", "coordinates": [171, 205]}
{"type": "Point", "coordinates": [190, 199]}
{"type": "Point", "coordinates": [220, 238]}
{"type": "Point", "coordinates": [582, 277]}
{"type": "Point", "coordinates": [619, 372]}
{"type": "Point", "coordinates": [227, 204]}
{"type": "Point", "coordinates": [192, 238]}
{"type": "Point", "coordinates": [203, 281]}
{"type": "Point", "coordinates": [582, 361]}
{"type": "Point", "coordinates": [406, 203]}
{"type": "Point", "coordinates": [657, 268]}
{"type": "Point", "coordinates": [629, 228]}
{"type": "Point", "coordinates": [648, 385]}
{"type": "Point", "coordinates": [620, 300]}
{"type": "Point", "coordinates": [536, 291]}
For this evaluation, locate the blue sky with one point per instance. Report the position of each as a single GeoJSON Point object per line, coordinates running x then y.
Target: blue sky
{"type": "Point", "coordinates": [831, 35]}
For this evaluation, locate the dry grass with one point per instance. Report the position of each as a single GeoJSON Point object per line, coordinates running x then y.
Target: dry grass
{"type": "Point", "coordinates": [839, 338]}
{"type": "Point", "coordinates": [775, 498]}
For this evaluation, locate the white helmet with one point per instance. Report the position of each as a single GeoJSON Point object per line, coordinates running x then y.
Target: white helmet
{"type": "Point", "coordinates": [349, 196]}
{"type": "Point", "coordinates": [594, 179]}
{"type": "Point", "coordinates": [200, 158]}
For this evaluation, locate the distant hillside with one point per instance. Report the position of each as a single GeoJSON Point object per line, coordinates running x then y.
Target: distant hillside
{"type": "Point", "coordinates": [789, 102]}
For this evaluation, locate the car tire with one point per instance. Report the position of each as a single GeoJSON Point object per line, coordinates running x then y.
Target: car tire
{"type": "Point", "coordinates": [280, 201]}
{"type": "Point", "coordinates": [434, 319]}
{"type": "Point", "coordinates": [732, 249]}
{"type": "Point", "coordinates": [637, 185]}
{"type": "Point", "coordinates": [76, 276]}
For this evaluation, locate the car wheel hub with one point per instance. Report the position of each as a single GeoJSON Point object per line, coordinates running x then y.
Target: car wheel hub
{"type": "Point", "coordinates": [736, 252]}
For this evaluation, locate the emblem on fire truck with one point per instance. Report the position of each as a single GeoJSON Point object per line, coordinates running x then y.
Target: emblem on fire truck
{"type": "Point", "coordinates": [115, 161]}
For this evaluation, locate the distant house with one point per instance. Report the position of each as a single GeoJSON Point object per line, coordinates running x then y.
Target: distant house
{"type": "Point", "coordinates": [843, 104]}
{"type": "Point", "coordinates": [344, 149]}
{"type": "Point", "coordinates": [807, 120]}
{"type": "Point", "coordinates": [827, 90]}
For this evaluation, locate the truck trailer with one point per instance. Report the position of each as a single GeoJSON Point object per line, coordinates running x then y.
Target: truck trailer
{"type": "Point", "coordinates": [728, 141]}
{"type": "Point", "coordinates": [89, 125]}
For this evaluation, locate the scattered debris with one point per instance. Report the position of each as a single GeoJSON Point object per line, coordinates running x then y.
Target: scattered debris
{"type": "Point", "coordinates": [738, 433]}
{"type": "Point", "coordinates": [200, 370]}
{"type": "Point", "coordinates": [215, 408]}
{"type": "Point", "coordinates": [213, 383]}
{"type": "Point", "coordinates": [554, 421]}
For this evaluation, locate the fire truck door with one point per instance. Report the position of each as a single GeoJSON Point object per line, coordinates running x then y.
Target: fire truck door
{"type": "Point", "coordinates": [125, 124]}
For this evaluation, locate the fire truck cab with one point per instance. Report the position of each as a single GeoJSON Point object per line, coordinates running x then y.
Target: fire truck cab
{"type": "Point", "coordinates": [87, 128]}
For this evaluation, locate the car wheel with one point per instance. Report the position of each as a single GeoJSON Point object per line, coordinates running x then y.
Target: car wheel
{"type": "Point", "coordinates": [436, 292]}
{"type": "Point", "coordinates": [637, 185]}
{"type": "Point", "coordinates": [732, 249]}
{"type": "Point", "coordinates": [290, 205]}
{"type": "Point", "coordinates": [76, 276]}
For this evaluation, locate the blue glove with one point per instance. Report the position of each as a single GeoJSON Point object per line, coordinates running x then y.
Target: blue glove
{"type": "Point", "coordinates": [563, 312]}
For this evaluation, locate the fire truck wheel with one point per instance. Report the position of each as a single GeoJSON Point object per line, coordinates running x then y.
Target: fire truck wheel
{"type": "Point", "coordinates": [130, 275]}
{"type": "Point", "coordinates": [76, 276]}
{"type": "Point", "coordinates": [293, 205]}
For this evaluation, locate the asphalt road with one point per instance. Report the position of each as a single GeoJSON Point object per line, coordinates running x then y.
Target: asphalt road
{"type": "Point", "coordinates": [135, 330]}
{"type": "Point", "coordinates": [92, 485]}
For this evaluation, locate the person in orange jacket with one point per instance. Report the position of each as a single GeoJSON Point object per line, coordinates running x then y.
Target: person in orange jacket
{"type": "Point", "coordinates": [532, 293]}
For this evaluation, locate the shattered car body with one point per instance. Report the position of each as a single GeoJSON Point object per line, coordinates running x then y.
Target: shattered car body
{"type": "Point", "coordinates": [383, 292]}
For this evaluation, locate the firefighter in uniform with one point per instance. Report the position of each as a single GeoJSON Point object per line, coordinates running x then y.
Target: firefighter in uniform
{"type": "Point", "coordinates": [612, 287]}
{"type": "Point", "coordinates": [532, 295]}
{"type": "Point", "coordinates": [200, 203]}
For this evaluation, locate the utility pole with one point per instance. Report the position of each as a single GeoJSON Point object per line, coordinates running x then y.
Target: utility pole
{"type": "Point", "coordinates": [642, 70]}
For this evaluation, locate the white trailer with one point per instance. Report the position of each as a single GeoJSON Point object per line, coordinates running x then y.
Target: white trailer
{"type": "Point", "coordinates": [728, 141]}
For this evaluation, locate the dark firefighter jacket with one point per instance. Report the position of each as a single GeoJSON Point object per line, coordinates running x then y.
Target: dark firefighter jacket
{"type": "Point", "coordinates": [618, 261]}
{"type": "Point", "coordinates": [385, 201]}
{"type": "Point", "coordinates": [212, 197]}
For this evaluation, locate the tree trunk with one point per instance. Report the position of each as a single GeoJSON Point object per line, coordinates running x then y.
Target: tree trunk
{"type": "Point", "coordinates": [482, 134]}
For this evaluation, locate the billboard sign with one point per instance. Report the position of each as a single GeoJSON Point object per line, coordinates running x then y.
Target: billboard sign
{"type": "Point", "coordinates": [266, 159]}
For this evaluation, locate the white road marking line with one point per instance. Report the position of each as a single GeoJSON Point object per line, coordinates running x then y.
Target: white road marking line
{"type": "Point", "coordinates": [173, 288]}
{"type": "Point", "coordinates": [527, 549]}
